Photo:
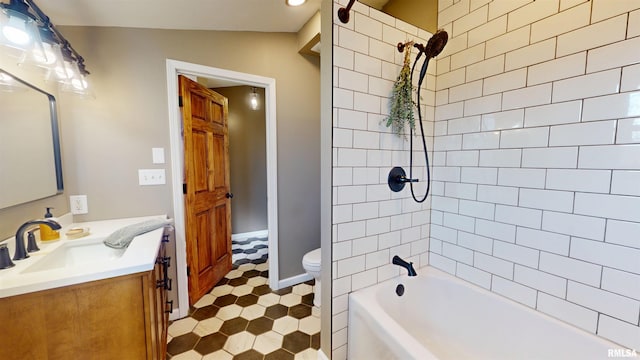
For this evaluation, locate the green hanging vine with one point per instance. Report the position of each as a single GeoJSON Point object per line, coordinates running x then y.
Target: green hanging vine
{"type": "Point", "coordinates": [402, 104]}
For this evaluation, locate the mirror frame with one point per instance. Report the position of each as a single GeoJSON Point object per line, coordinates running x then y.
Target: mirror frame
{"type": "Point", "coordinates": [55, 133]}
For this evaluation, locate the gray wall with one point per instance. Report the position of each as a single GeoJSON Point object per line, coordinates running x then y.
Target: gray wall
{"type": "Point", "coordinates": [129, 117]}
{"type": "Point", "coordinates": [421, 13]}
{"type": "Point", "coordinates": [107, 139]}
{"type": "Point", "coordinates": [248, 159]}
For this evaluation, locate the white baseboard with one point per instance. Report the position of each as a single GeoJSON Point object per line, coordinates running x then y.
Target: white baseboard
{"type": "Point", "coordinates": [294, 280]}
{"type": "Point", "coordinates": [322, 356]}
{"type": "Point", "coordinates": [175, 314]}
{"type": "Point", "coordinates": [258, 234]}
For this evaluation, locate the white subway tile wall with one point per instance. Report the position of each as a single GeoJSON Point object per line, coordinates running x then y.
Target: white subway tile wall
{"type": "Point", "coordinates": [370, 223]}
{"type": "Point", "coordinates": [533, 116]}
{"type": "Point", "coordinates": [548, 211]}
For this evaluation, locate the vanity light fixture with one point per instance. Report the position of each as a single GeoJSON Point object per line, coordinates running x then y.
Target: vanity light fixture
{"type": "Point", "coordinates": [34, 40]}
{"type": "Point", "coordinates": [254, 99]}
{"type": "Point", "coordinates": [295, 2]}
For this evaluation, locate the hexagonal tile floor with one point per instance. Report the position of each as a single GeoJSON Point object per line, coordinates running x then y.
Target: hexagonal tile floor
{"type": "Point", "coordinates": [245, 250]}
{"type": "Point", "coordinates": [241, 318]}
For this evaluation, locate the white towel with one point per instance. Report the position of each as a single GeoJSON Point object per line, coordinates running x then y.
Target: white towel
{"type": "Point", "coordinates": [121, 238]}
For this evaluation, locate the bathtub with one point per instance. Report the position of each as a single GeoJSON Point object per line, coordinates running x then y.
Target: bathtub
{"type": "Point", "coordinates": [442, 317]}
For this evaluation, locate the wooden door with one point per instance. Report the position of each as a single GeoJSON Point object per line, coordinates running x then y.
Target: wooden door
{"type": "Point", "coordinates": [207, 199]}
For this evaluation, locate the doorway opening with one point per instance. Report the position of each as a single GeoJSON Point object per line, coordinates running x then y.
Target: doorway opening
{"type": "Point", "coordinates": [175, 68]}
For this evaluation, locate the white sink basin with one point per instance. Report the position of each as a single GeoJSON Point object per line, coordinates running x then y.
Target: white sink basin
{"type": "Point", "coordinates": [75, 261]}
{"type": "Point", "coordinates": [76, 254]}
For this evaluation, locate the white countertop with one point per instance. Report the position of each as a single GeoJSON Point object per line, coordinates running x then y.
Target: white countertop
{"type": "Point", "coordinates": [140, 256]}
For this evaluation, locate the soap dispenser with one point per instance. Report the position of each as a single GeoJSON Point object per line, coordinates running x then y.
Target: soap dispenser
{"type": "Point", "coordinates": [46, 233]}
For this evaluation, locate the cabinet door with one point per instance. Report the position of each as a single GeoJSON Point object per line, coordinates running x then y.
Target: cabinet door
{"type": "Point", "coordinates": [161, 301]}
{"type": "Point", "coordinates": [99, 320]}
{"type": "Point", "coordinates": [156, 343]}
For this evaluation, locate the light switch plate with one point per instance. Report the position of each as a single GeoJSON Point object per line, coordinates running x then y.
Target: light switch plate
{"type": "Point", "coordinates": [78, 204]}
{"type": "Point", "coordinates": [157, 155]}
{"type": "Point", "coordinates": [151, 177]}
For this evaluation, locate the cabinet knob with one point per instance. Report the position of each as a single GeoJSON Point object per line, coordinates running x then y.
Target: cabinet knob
{"type": "Point", "coordinates": [229, 195]}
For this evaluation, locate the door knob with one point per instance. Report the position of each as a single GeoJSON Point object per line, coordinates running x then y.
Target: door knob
{"type": "Point", "coordinates": [229, 195]}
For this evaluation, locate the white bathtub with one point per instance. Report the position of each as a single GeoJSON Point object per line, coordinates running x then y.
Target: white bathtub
{"type": "Point", "coordinates": [442, 317]}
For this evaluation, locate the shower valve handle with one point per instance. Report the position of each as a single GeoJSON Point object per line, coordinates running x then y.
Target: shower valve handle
{"type": "Point", "coordinates": [405, 179]}
{"type": "Point", "coordinates": [397, 178]}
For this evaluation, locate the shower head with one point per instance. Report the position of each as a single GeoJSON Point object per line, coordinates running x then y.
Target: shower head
{"type": "Point", "coordinates": [436, 44]}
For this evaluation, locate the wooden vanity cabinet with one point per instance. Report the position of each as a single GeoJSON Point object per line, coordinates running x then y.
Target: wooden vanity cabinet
{"type": "Point", "coordinates": [159, 314]}
{"type": "Point", "coordinates": [125, 317]}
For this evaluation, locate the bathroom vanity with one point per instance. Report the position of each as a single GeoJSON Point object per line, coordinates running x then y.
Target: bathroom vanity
{"type": "Point", "coordinates": [110, 308]}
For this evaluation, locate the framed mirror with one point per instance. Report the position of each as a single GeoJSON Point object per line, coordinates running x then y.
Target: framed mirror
{"type": "Point", "coordinates": [30, 160]}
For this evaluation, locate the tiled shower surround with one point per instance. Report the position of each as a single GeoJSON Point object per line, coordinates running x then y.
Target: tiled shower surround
{"type": "Point", "coordinates": [536, 166]}
{"type": "Point", "coordinates": [370, 223]}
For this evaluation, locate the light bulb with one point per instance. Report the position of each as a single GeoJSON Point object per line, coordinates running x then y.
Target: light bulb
{"type": "Point", "coordinates": [60, 73]}
{"type": "Point", "coordinates": [46, 56]}
{"type": "Point", "coordinates": [254, 101]}
{"type": "Point", "coordinates": [16, 31]}
{"type": "Point", "coordinates": [65, 71]}
{"type": "Point", "coordinates": [295, 2]}
{"type": "Point", "coordinates": [79, 84]}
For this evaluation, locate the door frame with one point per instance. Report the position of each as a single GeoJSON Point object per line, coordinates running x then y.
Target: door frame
{"type": "Point", "coordinates": [175, 68]}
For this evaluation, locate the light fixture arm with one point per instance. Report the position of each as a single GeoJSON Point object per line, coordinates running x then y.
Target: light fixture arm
{"type": "Point", "coordinates": [18, 6]}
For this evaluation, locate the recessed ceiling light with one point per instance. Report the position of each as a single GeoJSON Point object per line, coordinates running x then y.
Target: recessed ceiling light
{"type": "Point", "coordinates": [295, 2]}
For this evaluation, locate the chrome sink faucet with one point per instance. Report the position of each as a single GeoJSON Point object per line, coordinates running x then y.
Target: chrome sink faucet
{"type": "Point", "coordinates": [21, 252]}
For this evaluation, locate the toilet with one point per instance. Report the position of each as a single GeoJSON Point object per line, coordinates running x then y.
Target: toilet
{"type": "Point", "coordinates": [311, 264]}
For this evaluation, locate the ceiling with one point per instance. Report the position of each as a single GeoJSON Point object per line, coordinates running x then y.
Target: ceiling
{"type": "Point", "coordinates": [376, 4]}
{"type": "Point", "coordinates": [227, 15]}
